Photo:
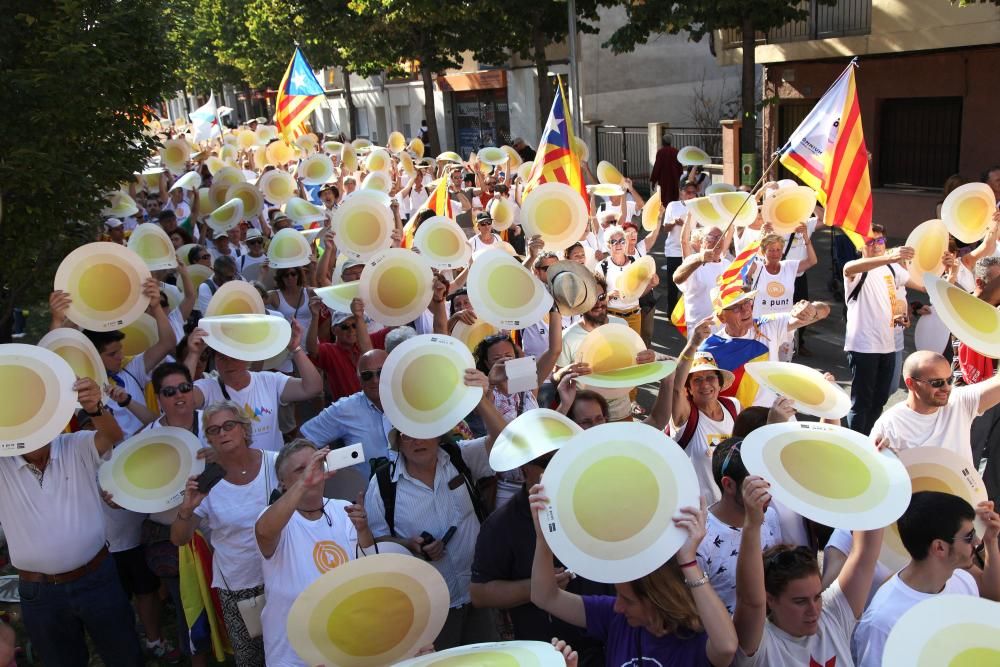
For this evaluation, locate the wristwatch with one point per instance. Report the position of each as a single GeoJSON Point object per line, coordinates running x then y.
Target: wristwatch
{"type": "Point", "coordinates": [125, 403]}
{"type": "Point", "coordinates": [100, 411]}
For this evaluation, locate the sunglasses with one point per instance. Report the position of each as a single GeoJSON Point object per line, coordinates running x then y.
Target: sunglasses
{"type": "Point", "coordinates": [872, 242]}
{"type": "Point", "coordinates": [226, 426]}
{"type": "Point", "coordinates": [203, 257]}
{"type": "Point", "coordinates": [347, 326]}
{"type": "Point", "coordinates": [369, 375]}
{"type": "Point", "coordinates": [616, 242]}
{"type": "Point", "coordinates": [255, 242]}
{"type": "Point", "coordinates": [182, 388]}
{"type": "Point", "coordinates": [968, 538]}
{"type": "Point", "coordinates": [729, 457]}
{"type": "Point", "coordinates": [937, 383]}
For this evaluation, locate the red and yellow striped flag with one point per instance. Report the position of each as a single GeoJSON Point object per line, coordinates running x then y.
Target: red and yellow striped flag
{"type": "Point", "coordinates": [439, 202]}
{"type": "Point", "coordinates": [299, 93]}
{"type": "Point", "coordinates": [555, 161]}
{"type": "Point", "coordinates": [827, 151]}
{"type": "Point", "coordinates": [736, 272]}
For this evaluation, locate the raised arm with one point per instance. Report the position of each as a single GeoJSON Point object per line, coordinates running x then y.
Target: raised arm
{"type": "Point", "coordinates": [439, 305]}
{"type": "Point", "coordinates": [896, 255]}
{"type": "Point", "coordinates": [811, 259]}
{"type": "Point", "coordinates": [310, 382]}
{"type": "Point", "coordinates": [807, 312]}
{"type": "Point", "coordinates": [988, 245]}
{"type": "Point", "coordinates": [358, 311]}
{"type": "Point", "coordinates": [681, 408]}
{"type": "Point", "coordinates": [107, 431]}
{"type": "Point", "coordinates": [167, 341]}
{"type": "Point", "coordinates": [268, 528]}
{"type": "Point", "coordinates": [547, 361]}
{"type": "Point", "coordinates": [487, 411]}
{"type": "Point", "coordinates": [989, 578]}
{"type": "Point", "coordinates": [856, 576]}
{"type": "Point", "coordinates": [545, 591]}
{"type": "Point", "coordinates": [751, 599]}
{"type": "Point", "coordinates": [659, 415]}
{"type": "Point", "coordinates": [324, 270]}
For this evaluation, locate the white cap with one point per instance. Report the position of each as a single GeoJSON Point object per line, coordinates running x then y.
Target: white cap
{"type": "Point", "coordinates": [113, 223]}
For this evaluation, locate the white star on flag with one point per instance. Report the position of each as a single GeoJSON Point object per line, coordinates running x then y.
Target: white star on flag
{"type": "Point", "coordinates": [299, 80]}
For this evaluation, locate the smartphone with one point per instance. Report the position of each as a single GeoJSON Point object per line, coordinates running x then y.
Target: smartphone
{"type": "Point", "coordinates": [345, 457]}
{"type": "Point", "coordinates": [448, 535]}
{"type": "Point", "coordinates": [211, 476]}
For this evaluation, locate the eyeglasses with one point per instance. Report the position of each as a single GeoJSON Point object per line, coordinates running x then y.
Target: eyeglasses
{"type": "Point", "coordinates": [226, 426]}
{"type": "Point", "coordinates": [182, 388]}
{"type": "Point", "coordinates": [347, 326]}
{"type": "Point", "coordinates": [366, 376]}
{"type": "Point", "coordinates": [873, 242]}
{"type": "Point", "coordinates": [729, 457]}
{"type": "Point", "coordinates": [255, 242]}
{"type": "Point", "coordinates": [968, 538]}
{"type": "Point", "coordinates": [204, 257]}
{"type": "Point", "coordinates": [616, 242]}
{"type": "Point", "coordinates": [937, 383]}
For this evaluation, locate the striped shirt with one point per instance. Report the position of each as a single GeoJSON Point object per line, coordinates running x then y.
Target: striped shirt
{"type": "Point", "coordinates": [421, 508]}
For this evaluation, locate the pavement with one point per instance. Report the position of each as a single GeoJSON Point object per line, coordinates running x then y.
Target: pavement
{"type": "Point", "coordinates": [825, 339]}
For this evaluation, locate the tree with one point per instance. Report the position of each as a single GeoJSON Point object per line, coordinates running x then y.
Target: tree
{"type": "Point", "coordinates": [526, 28]}
{"type": "Point", "coordinates": [701, 17]}
{"type": "Point", "coordinates": [74, 88]}
{"type": "Point", "coordinates": [192, 32]}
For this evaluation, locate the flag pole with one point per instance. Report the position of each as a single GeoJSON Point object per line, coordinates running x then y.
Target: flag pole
{"type": "Point", "coordinates": [750, 194]}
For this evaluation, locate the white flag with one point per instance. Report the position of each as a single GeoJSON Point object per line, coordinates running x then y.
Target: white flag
{"type": "Point", "coordinates": [206, 121]}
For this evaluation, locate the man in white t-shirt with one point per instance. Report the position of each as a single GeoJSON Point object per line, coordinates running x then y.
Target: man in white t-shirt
{"type": "Point", "coordinates": [720, 547]}
{"type": "Point", "coordinates": [938, 532]}
{"type": "Point", "coordinates": [301, 537]}
{"type": "Point", "coordinates": [673, 221]}
{"type": "Point", "coordinates": [699, 273]}
{"type": "Point", "coordinates": [934, 414]}
{"type": "Point", "coordinates": [258, 393]}
{"type": "Point", "coordinates": [255, 250]}
{"type": "Point", "coordinates": [224, 270]}
{"type": "Point", "coordinates": [870, 289]}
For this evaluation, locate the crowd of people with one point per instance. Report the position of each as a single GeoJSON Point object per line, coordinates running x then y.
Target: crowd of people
{"type": "Point", "coordinates": [745, 588]}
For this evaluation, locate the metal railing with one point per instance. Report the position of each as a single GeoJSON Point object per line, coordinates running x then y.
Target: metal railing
{"type": "Point", "coordinates": [627, 149]}
{"type": "Point", "coordinates": [706, 138]}
{"type": "Point", "coordinates": [845, 18]}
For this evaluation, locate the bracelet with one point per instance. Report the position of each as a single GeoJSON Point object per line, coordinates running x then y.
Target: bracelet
{"type": "Point", "coordinates": [688, 564]}
{"type": "Point", "coordinates": [296, 350]}
{"type": "Point", "coordinates": [128, 399]}
{"type": "Point", "coordinates": [100, 411]}
{"type": "Point", "coordinates": [185, 518]}
{"type": "Point", "coordinates": [697, 582]}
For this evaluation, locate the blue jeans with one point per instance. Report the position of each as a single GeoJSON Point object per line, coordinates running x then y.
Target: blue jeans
{"type": "Point", "coordinates": [871, 385]}
{"type": "Point", "coordinates": [56, 616]}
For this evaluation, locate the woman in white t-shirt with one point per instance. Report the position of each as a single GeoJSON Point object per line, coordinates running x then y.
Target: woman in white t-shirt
{"type": "Point", "coordinates": [774, 279]}
{"type": "Point", "coordinates": [229, 510]}
{"type": "Point", "coordinates": [300, 537]}
{"type": "Point", "coordinates": [783, 616]}
{"type": "Point", "coordinates": [486, 237]}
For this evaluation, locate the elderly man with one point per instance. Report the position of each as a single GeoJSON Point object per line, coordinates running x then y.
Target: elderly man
{"type": "Point", "coordinates": [51, 511]}
{"type": "Point", "coordinates": [699, 273]}
{"type": "Point", "coordinates": [427, 491]}
{"type": "Point", "coordinates": [934, 414]}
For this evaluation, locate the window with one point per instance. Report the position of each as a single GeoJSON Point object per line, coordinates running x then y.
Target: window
{"type": "Point", "coordinates": [919, 141]}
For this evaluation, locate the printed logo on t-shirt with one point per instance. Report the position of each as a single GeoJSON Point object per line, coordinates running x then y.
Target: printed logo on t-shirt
{"type": "Point", "coordinates": [643, 662]}
{"type": "Point", "coordinates": [328, 555]}
{"type": "Point", "coordinates": [832, 662]}
{"type": "Point", "coordinates": [775, 289]}
{"type": "Point", "coordinates": [713, 440]}
{"type": "Point", "coordinates": [254, 414]}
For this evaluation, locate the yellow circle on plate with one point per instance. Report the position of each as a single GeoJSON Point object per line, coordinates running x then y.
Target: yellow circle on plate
{"type": "Point", "coordinates": [363, 228]}
{"type": "Point", "coordinates": [105, 286]}
{"type": "Point", "coordinates": [152, 466]}
{"type": "Point", "coordinates": [636, 487]}
{"type": "Point", "coordinates": [428, 381]}
{"type": "Point", "coordinates": [247, 333]}
{"type": "Point", "coordinates": [397, 287]}
{"type": "Point", "coordinates": [349, 628]}
{"type": "Point", "coordinates": [152, 246]}
{"type": "Point", "coordinates": [931, 484]}
{"type": "Point", "coordinates": [791, 211]}
{"type": "Point", "coordinates": [795, 386]}
{"type": "Point", "coordinates": [509, 286]}
{"type": "Point", "coordinates": [18, 406]}
{"type": "Point", "coordinates": [978, 314]}
{"type": "Point", "coordinates": [553, 216]}
{"type": "Point", "coordinates": [803, 458]}
{"type": "Point", "coordinates": [77, 360]}
{"type": "Point", "coordinates": [443, 243]}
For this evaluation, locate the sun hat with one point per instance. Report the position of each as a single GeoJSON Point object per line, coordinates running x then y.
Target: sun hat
{"type": "Point", "coordinates": [574, 287]}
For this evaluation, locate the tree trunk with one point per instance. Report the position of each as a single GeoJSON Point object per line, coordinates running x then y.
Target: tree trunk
{"type": "Point", "coordinates": [433, 147]}
{"type": "Point", "coordinates": [545, 91]}
{"type": "Point", "coordinates": [352, 113]}
{"type": "Point", "coordinates": [748, 132]}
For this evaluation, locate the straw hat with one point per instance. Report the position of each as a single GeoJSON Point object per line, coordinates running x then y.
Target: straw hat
{"type": "Point", "coordinates": [730, 296]}
{"type": "Point", "coordinates": [573, 287]}
{"type": "Point", "coordinates": [704, 362]}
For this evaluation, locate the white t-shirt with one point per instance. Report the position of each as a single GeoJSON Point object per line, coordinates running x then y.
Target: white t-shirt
{"type": "Point", "coordinates": [477, 243]}
{"type": "Point", "coordinates": [230, 512]}
{"type": "Point", "coordinates": [259, 399]}
{"type": "Point", "coordinates": [772, 331]}
{"type": "Point", "coordinates": [841, 540]}
{"type": "Point", "coordinates": [893, 600]}
{"type": "Point", "coordinates": [706, 437]}
{"type": "Point", "coordinates": [831, 645]}
{"type": "Point", "coordinates": [775, 293]}
{"type": "Point", "coordinates": [619, 407]}
{"type": "Point", "coordinates": [672, 245]}
{"type": "Point", "coordinates": [947, 427]}
{"type": "Point", "coordinates": [133, 378]}
{"type": "Point", "coordinates": [57, 525]}
{"type": "Point", "coordinates": [306, 550]}
{"type": "Point", "coordinates": [205, 294]}
{"type": "Point", "coordinates": [612, 272]}
{"type": "Point", "coordinates": [246, 260]}
{"type": "Point", "coordinates": [869, 315]}
{"type": "Point", "coordinates": [742, 239]}
{"type": "Point", "coordinates": [720, 548]}
{"type": "Point", "coordinates": [697, 290]}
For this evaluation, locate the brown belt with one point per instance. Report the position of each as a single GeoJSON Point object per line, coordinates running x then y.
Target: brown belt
{"type": "Point", "coordinates": [65, 577]}
{"type": "Point", "coordinates": [624, 313]}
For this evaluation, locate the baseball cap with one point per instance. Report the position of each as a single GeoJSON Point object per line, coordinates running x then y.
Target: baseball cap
{"type": "Point", "coordinates": [113, 223]}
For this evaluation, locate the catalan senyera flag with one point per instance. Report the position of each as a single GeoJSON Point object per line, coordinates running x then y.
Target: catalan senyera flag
{"type": "Point", "coordinates": [298, 94]}
{"type": "Point", "coordinates": [555, 160]}
{"type": "Point", "coordinates": [738, 270]}
{"type": "Point", "coordinates": [439, 202]}
{"type": "Point", "coordinates": [827, 151]}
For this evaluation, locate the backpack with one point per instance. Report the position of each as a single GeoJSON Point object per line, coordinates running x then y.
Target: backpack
{"type": "Point", "coordinates": [387, 488]}
{"type": "Point", "coordinates": [864, 276]}
{"type": "Point", "coordinates": [692, 422]}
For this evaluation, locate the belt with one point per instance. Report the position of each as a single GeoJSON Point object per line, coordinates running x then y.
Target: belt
{"type": "Point", "coordinates": [65, 577]}
{"type": "Point", "coordinates": [624, 313]}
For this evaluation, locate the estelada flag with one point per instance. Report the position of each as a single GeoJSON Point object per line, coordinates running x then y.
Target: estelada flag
{"type": "Point", "coordinates": [555, 161]}
{"type": "Point", "coordinates": [299, 93]}
{"type": "Point", "coordinates": [827, 151]}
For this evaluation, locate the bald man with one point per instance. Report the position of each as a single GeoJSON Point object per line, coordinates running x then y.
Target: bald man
{"type": "Point", "coordinates": [934, 414]}
{"type": "Point", "coordinates": [358, 417]}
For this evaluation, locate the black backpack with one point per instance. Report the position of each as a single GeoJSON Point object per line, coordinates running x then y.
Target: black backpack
{"type": "Point", "coordinates": [387, 488]}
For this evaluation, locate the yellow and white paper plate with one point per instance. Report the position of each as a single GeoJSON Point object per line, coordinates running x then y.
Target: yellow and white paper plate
{"type": "Point", "coordinates": [38, 398]}
{"type": "Point", "coordinates": [442, 243]}
{"type": "Point", "coordinates": [369, 612]}
{"type": "Point", "coordinates": [929, 241]}
{"type": "Point", "coordinates": [742, 205]}
{"type": "Point", "coordinates": [953, 630]}
{"type": "Point", "coordinates": [692, 155]}
{"type": "Point", "coordinates": [967, 211]}
{"type": "Point", "coordinates": [316, 169]}
{"type": "Point", "coordinates": [227, 216]}
{"type": "Point", "coordinates": [504, 293]}
{"type": "Point", "coordinates": [304, 213]}
{"type": "Point", "coordinates": [492, 156]}
{"type": "Point", "coordinates": [338, 297]}
{"type": "Point", "coordinates": [972, 320]}
{"type": "Point", "coordinates": [105, 282]}
{"type": "Point", "coordinates": [76, 350]}
{"type": "Point", "coordinates": [789, 207]}
{"type": "Point", "coordinates": [829, 474]}
{"type": "Point", "coordinates": [555, 211]}
{"type": "Point", "coordinates": [147, 473]}
{"type": "Point", "coordinates": [611, 349]}
{"type": "Point", "coordinates": [277, 186]}
{"type": "Point", "coordinates": [423, 386]}
{"type": "Point", "coordinates": [608, 173]}
{"type": "Point", "coordinates": [396, 286]}
{"type": "Point", "coordinates": [363, 225]}
{"type": "Point", "coordinates": [651, 211]}
{"type": "Point", "coordinates": [235, 298]}
{"type": "Point", "coordinates": [139, 335]}
{"type": "Point", "coordinates": [152, 244]}
{"type": "Point", "coordinates": [253, 200]}
{"type": "Point", "coordinates": [530, 435]}
{"type": "Point", "coordinates": [288, 249]}
{"type": "Point", "coordinates": [706, 213]}
{"type": "Point", "coordinates": [492, 654]}
{"type": "Point", "coordinates": [812, 393]}
{"type": "Point", "coordinates": [614, 491]}
{"type": "Point", "coordinates": [634, 279]}
{"type": "Point", "coordinates": [247, 337]}
{"type": "Point", "coordinates": [502, 212]}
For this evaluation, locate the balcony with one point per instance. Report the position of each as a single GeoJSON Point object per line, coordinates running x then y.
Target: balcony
{"type": "Point", "coordinates": [843, 19]}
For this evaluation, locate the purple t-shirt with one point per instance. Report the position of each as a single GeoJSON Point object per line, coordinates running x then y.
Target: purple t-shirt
{"type": "Point", "coordinates": [626, 646]}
